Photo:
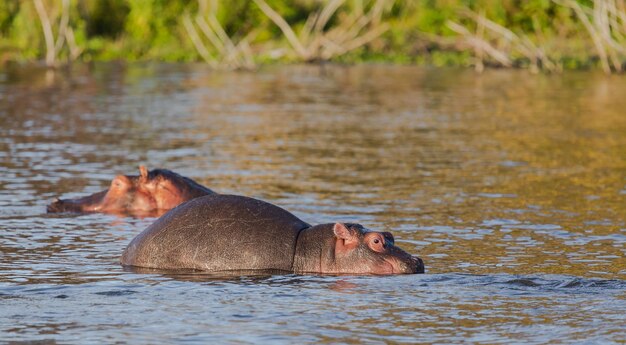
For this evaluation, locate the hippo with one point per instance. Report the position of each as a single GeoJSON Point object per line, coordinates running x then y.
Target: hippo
{"type": "Point", "coordinates": [219, 232]}
{"type": "Point", "coordinates": [155, 191]}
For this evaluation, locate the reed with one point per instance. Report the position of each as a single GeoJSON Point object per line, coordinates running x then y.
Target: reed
{"type": "Point", "coordinates": [65, 34]}
{"type": "Point", "coordinates": [228, 54]}
{"type": "Point", "coordinates": [606, 24]}
{"type": "Point", "coordinates": [318, 40]}
{"type": "Point", "coordinates": [500, 44]}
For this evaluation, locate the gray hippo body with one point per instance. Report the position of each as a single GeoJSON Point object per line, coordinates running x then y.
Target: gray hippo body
{"type": "Point", "coordinates": [228, 232]}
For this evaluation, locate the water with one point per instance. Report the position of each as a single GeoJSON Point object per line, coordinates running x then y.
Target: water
{"type": "Point", "coordinates": [510, 186]}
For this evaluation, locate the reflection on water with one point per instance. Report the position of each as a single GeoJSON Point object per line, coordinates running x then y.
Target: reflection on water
{"type": "Point", "coordinates": [511, 187]}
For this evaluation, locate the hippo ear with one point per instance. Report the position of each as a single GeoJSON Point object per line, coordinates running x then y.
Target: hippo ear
{"type": "Point", "coordinates": [143, 172]}
{"type": "Point", "coordinates": [342, 232]}
{"type": "Point", "coordinates": [120, 182]}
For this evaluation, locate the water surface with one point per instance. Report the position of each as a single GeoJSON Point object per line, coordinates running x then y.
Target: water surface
{"type": "Point", "coordinates": [510, 186]}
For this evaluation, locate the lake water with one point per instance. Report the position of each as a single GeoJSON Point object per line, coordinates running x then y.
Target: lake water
{"type": "Point", "coordinates": [510, 186]}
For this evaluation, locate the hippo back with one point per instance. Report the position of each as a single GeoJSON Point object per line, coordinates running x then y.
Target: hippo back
{"type": "Point", "coordinates": [218, 233]}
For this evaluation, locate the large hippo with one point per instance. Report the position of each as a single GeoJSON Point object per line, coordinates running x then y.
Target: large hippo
{"type": "Point", "coordinates": [228, 232]}
{"type": "Point", "coordinates": [155, 191]}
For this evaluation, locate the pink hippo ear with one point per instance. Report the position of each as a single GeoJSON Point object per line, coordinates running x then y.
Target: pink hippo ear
{"type": "Point", "coordinates": [346, 239]}
{"type": "Point", "coordinates": [143, 173]}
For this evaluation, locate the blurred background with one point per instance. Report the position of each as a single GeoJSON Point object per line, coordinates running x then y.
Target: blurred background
{"type": "Point", "coordinates": [549, 35]}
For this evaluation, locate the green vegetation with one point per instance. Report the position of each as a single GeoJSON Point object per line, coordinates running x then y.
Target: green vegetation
{"type": "Point", "coordinates": [546, 35]}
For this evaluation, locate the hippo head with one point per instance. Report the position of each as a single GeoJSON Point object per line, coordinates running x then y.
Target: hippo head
{"type": "Point", "coordinates": [166, 189]}
{"type": "Point", "coordinates": [361, 251]}
{"type": "Point", "coordinates": [126, 193]}
{"type": "Point", "coordinates": [158, 190]}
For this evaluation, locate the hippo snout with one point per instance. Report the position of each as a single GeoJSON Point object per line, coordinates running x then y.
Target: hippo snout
{"type": "Point", "coordinates": [408, 264]}
{"type": "Point", "coordinates": [418, 264]}
{"type": "Point", "coordinates": [55, 206]}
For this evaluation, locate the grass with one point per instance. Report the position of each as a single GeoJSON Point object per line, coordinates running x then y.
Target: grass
{"type": "Point", "coordinates": [540, 35]}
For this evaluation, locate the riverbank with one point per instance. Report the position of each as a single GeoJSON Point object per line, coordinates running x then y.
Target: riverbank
{"type": "Point", "coordinates": [538, 35]}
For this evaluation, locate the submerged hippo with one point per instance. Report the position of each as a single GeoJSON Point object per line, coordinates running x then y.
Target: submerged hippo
{"type": "Point", "coordinates": [228, 232]}
{"type": "Point", "coordinates": [157, 191]}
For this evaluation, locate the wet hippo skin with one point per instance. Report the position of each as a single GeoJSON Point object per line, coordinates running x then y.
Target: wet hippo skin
{"type": "Point", "coordinates": [227, 232]}
{"type": "Point", "coordinates": [155, 191]}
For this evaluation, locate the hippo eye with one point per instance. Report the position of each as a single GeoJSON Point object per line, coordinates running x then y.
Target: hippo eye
{"type": "Point", "coordinates": [377, 244]}
{"type": "Point", "coordinates": [164, 186]}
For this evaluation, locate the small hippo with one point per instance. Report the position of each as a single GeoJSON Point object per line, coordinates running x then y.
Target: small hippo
{"type": "Point", "coordinates": [231, 233]}
{"type": "Point", "coordinates": [151, 192]}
